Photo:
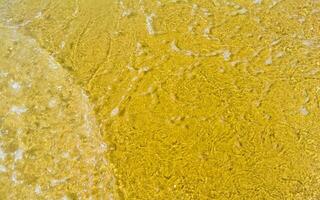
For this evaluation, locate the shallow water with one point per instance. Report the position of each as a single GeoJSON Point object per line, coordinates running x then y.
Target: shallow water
{"type": "Point", "coordinates": [159, 99]}
{"type": "Point", "coordinates": [50, 141]}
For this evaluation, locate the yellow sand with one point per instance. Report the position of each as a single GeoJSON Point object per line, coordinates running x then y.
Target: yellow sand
{"type": "Point", "coordinates": [194, 99]}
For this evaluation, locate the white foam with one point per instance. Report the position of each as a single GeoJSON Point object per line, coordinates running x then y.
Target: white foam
{"type": "Point", "coordinates": [174, 46]}
{"type": "Point", "coordinates": [226, 55]}
{"type": "Point", "coordinates": [207, 31]}
{"type": "Point", "coordinates": [268, 61]}
{"type": "Point", "coordinates": [257, 1]}
{"type": "Point", "coordinates": [2, 154]}
{"type": "Point", "coordinates": [62, 44]}
{"type": "Point", "coordinates": [18, 154]}
{"type": "Point", "coordinates": [52, 103]}
{"type": "Point", "coordinates": [14, 178]}
{"type": "Point", "coordinates": [56, 182]}
{"type": "Point", "coordinates": [143, 69]}
{"type": "Point", "coordinates": [194, 9]}
{"type": "Point", "coordinates": [15, 85]}
{"type": "Point", "coordinates": [149, 22]}
{"type": "Point", "coordinates": [52, 63]}
{"type": "Point", "coordinates": [114, 112]}
{"type": "Point", "coordinates": [65, 197]}
{"type": "Point", "coordinates": [37, 189]}
{"type": "Point", "coordinates": [126, 13]}
{"type": "Point", "coordinates": [3, 74]}
{"type": "Point", "coordinates": [3, 169]}
{"type": "Point", "coordinates": [304, 111]}
{"type": "Point", "coordinates": [307, 43]}
{"type": "Point", "coordinates": [18, 109]}
{"type": "Point", "coordinates": [243, 11]}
